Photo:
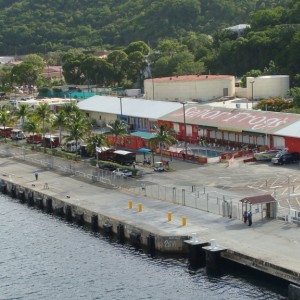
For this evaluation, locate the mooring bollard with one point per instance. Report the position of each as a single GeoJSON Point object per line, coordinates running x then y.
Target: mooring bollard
{"type": "Point", "coordinates": [140, 207]}
{"type": "Point", "coordinates": [130, 204]}
{"type": "Point", "coordinates": [169, 216]}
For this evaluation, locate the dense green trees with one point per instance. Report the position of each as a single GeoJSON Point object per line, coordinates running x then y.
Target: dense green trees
{"type": "Point", "coordinates": [47, 26]}
{"type": "Point", "coordinates": [186, 37]}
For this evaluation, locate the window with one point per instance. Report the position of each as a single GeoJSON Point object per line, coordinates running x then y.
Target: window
{"type": "Point", "coordinates": [176, 127]}
{"type": "Point", "coordinates": [189, 130]}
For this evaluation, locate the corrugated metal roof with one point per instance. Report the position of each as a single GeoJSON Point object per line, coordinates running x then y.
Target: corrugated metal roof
{"type": "Point", "coordinates": [236, 120]}
{"type": "Point", "coordinates": [133, 107]}
{"type": "Point", "coordinates": [292, 130]}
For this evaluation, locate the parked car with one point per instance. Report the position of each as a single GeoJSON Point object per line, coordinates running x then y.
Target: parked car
{"type": "Point", "coordinates": [286, 158]}
{"type": "Point", "coordinates": [122, 172]}
{"type": "Point", "coordinates": [107, 166]}
{"type": "Point", "coordinates": [266, 155]}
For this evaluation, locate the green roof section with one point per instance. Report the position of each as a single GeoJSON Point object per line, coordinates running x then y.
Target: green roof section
{"type": "Point", "coordinates": [143, 134]}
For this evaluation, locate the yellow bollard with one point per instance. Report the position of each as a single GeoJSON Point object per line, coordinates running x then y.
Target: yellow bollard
{"type": "Point", "coordinates": [130, 204]}
{"type": "Point", "coordinates": [169, 216]}
{"type": "Point", "coordinates": [183, 221]}
{"type": "Point", "coordinates": [140, 207]}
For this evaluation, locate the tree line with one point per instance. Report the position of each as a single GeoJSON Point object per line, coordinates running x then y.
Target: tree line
{"type": "Point", "coordinates": [72, 124]}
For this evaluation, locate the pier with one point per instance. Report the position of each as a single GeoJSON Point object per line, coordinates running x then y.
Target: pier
{"type": "Point", "coordinates": [271, 246]}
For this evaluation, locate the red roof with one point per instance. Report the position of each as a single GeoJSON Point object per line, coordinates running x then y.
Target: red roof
{"type": "Point", "coordinates": [190, 78]}
{"type": "Point", "coordinates": [258, 199]}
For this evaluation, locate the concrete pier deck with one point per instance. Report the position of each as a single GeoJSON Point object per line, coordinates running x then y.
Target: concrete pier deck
{"type": "Point", "coordinates": [272, 246]}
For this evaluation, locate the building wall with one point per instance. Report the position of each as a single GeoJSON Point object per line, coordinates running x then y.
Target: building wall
{"type": "Point", "coordinates": [293, 144]}
{"type": "Point", "coordinates": [188, 90]}
{"type": "Point", "coordinates": [101, 118]}
{"type": "Point", "coordinates": [268, 86]}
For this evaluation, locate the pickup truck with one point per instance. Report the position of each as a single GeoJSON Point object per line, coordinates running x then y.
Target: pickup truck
{"type": "Point", "coordinates": [122, 172]}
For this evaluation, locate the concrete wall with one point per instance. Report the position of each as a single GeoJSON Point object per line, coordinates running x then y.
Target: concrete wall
{"type": "Point", "coordinates": [105, 117]}
{"type": "Point", "coordinates": [187, 90]}
{"type": "Point", "coordinates": [268, 86]}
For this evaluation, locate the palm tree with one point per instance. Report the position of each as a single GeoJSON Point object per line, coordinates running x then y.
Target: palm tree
{"type": "Point", "coordinates": [70, 108]}
{"type": "Point", "coordinates": [31, 126]}
{"type": "Point", "coordinates": [78, 127]}
{"type": "Point", "coordinates": [93, 141]}
{"type": "Point", "coordinates": [60, 121]}
{"type": "Point", "coordinates": [22, 112]}
{"type": "Point", "coordinates": [118, 128]}
{"type": "Point", "coordinates": [6, 118]}
{"type": "Point", "coordinates": [43, 114]}
{"type": "Point", "coordinates": [164, 136]}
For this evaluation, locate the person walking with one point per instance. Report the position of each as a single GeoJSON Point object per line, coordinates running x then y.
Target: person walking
{"type": "Point", "coordinates": [36, 174]}
{"type": "Point", "coordinates": [249, 218]}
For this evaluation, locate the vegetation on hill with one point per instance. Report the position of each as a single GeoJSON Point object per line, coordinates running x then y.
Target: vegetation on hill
{"type": "Point", "coordinates": [30, 26]}
{"type": "Point", "coordinates": [149, 39]}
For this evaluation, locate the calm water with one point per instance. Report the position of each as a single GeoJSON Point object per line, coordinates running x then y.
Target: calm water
{"type": "Point", "coordinates": [42, 257]}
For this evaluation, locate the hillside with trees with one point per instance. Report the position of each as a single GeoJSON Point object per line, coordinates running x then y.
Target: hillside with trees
{"type": "Point", "coordinates": [30, 26]}
{"type": "Point", "coordinates": [149, 39]}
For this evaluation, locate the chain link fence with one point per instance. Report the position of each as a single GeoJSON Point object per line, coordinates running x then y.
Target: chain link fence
{"type": "Point", "coordinates": [192, 196]}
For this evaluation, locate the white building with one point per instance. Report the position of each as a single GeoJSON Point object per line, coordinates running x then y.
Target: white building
{"type": "Point", "coordinates": [140, 114]}
{"type": "Point", "coordinates": [200, 88]}
{"type": "Point", "coordinates": [271, 86]}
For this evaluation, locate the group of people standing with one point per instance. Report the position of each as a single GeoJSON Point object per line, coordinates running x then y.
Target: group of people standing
{"type": "Point", "coordinates": [248, 217]}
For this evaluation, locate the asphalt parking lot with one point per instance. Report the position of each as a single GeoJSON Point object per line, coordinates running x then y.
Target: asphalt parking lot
{"type": "Point", "coordinates": [241, 179]}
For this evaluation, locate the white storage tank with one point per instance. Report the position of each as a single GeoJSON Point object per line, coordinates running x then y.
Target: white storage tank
{"type": "Point", "coordinates": [270, 86]}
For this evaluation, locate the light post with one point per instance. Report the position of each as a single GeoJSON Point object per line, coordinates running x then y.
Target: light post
{"type": "Point", "coordinates": [266, 128]}
{"type": "Point", "coordinates": [14, 77]}
{"type": "Point", "coordinates": [120, 97]}
{"type": "Point", "coordinates": [252, 82]}
{"type": "Point", "coordinates": [184, 122]}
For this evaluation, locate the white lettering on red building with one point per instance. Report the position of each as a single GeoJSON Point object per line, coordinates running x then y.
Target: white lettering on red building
{"type": "Point", "coordinates": [249, 120]}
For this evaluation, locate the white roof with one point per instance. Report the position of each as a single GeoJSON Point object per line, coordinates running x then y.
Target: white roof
{"type": "Point", "coordinates": [122, 152]}
{"type": "Point", "coordinates": [133, 107]}
{"type": "Point", "coordinates": [292, 130]}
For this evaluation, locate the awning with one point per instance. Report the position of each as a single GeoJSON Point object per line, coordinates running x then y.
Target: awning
{"type": "Point", "coordinates": [144, 150]}
{"type": "Point", "coordinates": [258, 199]}
{"type": "Point", "coordinates": [143, 134]}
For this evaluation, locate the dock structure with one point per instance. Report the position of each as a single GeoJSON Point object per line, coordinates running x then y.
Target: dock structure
{"type": "Point", "coordinates": [271, 246]}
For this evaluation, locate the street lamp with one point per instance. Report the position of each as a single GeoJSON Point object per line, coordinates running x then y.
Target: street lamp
{"type": "Point", "coordinates": [14, 77]}
{"type": "Point", "coordinates": [252, 82]}
{"type": "Point", "coordinates": [120, 97]}
{"type": "Point", "coordinates": [184, 122]}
